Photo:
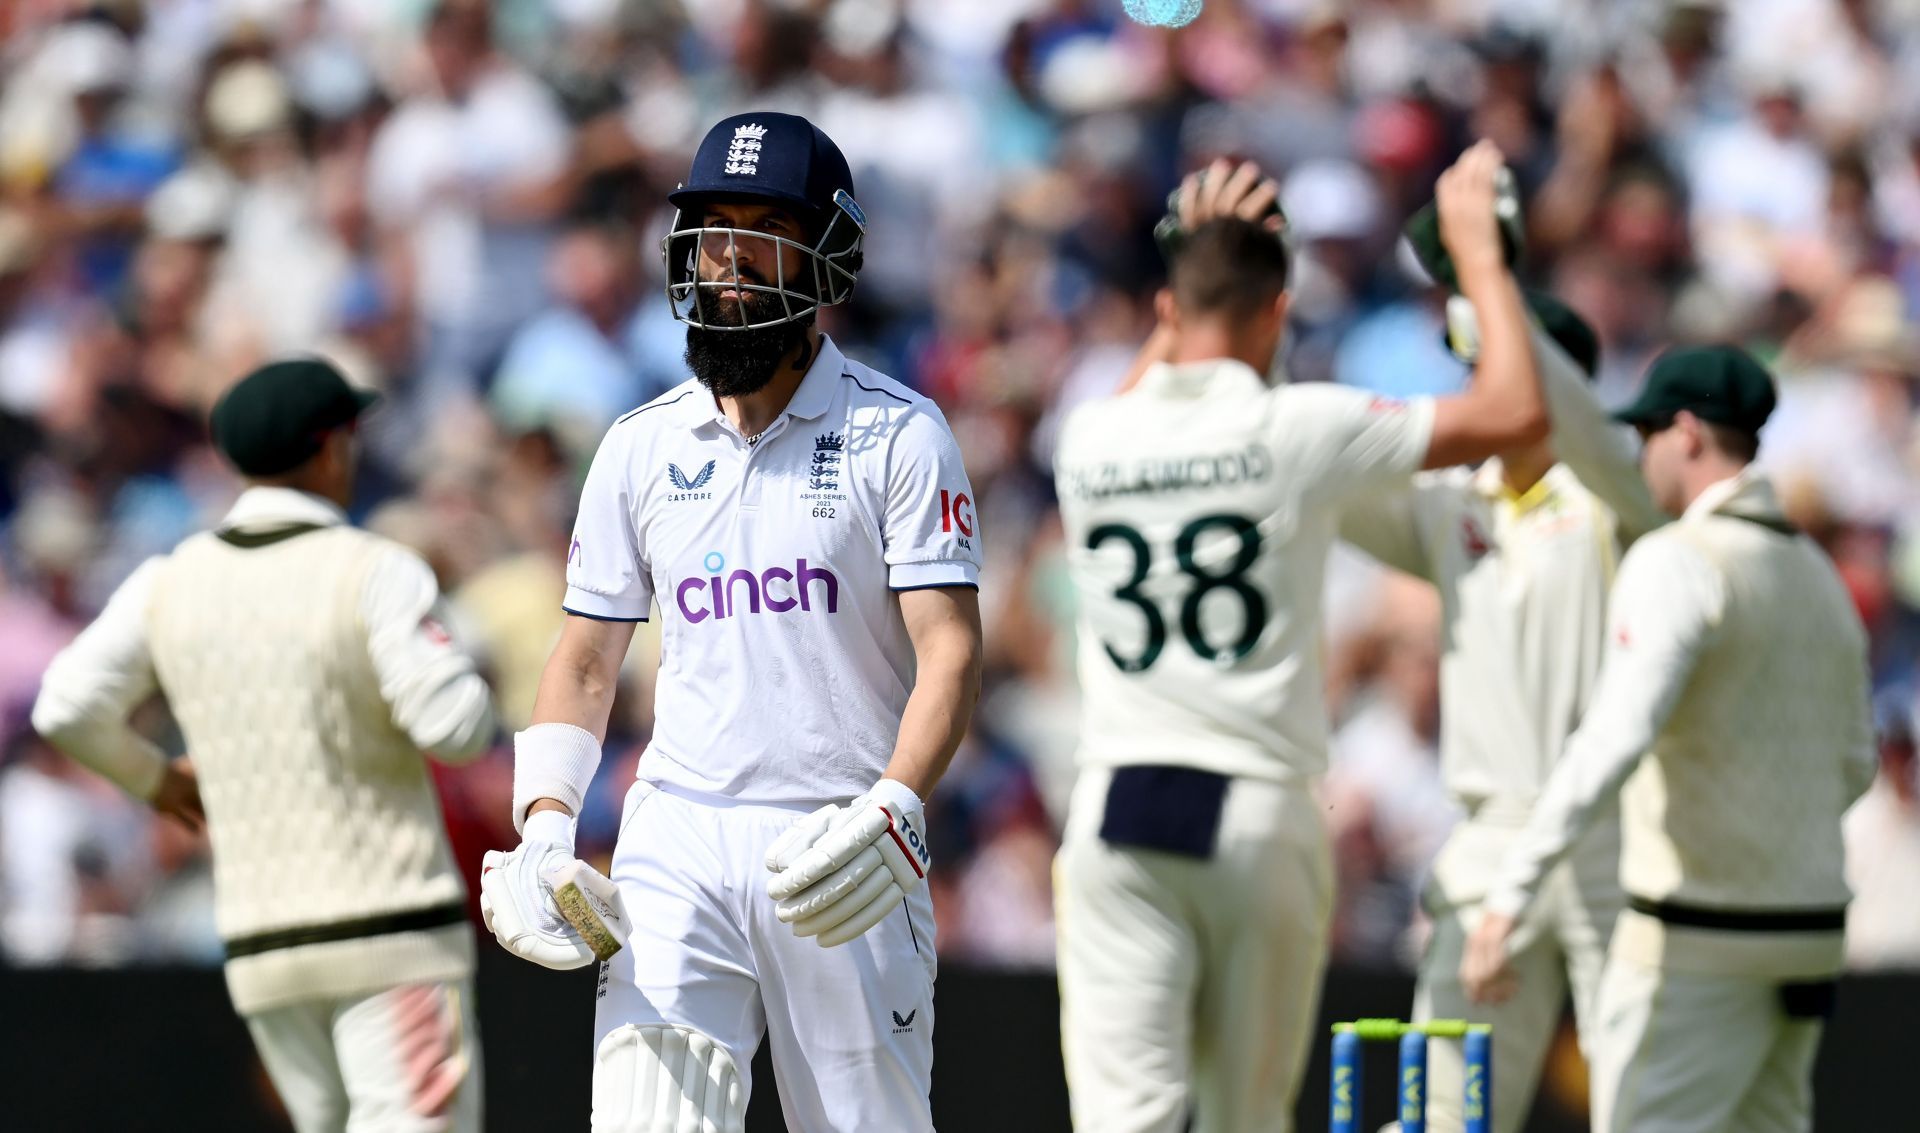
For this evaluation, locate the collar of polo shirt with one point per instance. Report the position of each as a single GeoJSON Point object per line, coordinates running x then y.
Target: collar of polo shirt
{"type": "Point", "coordinates": [811, 400]}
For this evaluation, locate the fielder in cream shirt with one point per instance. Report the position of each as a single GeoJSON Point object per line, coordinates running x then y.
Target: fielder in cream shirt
{"type": "Point", "coordinates": [1732, 717]}
{"type": "Point", "coordinates": [308, 673]}
{"type": "Point", "coordinates": [1195, 876]}
{"type": "Point", "coordinates": [1522, 551]}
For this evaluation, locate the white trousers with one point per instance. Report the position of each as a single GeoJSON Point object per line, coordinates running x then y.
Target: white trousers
{"type": "Point", "coordinates": [1189, 984]}
{"type": "Point", "coordinates": [403, 1060]}
{"type": "Point", "coordinates": [851, 1027]}
{"type": "Point", "coordinates": [1691, 1052]}
{"type": "Point", "coordinates": [1562, 946]}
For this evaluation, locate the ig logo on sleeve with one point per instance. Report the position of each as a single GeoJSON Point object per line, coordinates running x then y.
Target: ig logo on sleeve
{"type": "Point", "coordinates": [956, 511]}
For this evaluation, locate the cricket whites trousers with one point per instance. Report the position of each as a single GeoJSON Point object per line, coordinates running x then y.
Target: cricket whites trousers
{"type": "Point", "coordinates": [1707, 1031]}
{"type": "Point", "coordinates": [402, 1060]}
{"type": "Point", "coordinates": [851, 1027]}
{"type": "Point", "coordinates": [1191, 983]}
{"type": "Point", "coordinates": [1560, 947]}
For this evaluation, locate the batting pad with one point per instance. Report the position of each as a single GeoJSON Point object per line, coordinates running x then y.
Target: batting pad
{"type": "Point", "coordinates": [665, 1079]}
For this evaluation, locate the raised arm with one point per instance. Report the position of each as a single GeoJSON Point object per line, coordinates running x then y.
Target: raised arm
{"type": "Point", "coordinates": [1598, 449]}
{"type": "Point", "coordinates": [1503, 407]}
{"type": "Point", "coordinates": [1219, 190]}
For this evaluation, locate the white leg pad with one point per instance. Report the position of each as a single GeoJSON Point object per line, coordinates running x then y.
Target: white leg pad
{"type": "Point", "coordinates": [665, 1079]}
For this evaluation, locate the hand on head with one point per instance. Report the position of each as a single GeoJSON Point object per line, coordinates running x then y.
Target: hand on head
{"type": "Point", "coordinates": [1221, 189]}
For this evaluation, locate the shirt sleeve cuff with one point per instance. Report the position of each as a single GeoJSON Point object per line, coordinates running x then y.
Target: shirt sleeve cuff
{"type": "Point", "coordinates": [925, 576]}
{"type": "Point", "coordinates": [1506, 903]}
{"type": "Point", "coordinates": [1419, 432]}
{"type": "Point", "coordinates": [587, 604]}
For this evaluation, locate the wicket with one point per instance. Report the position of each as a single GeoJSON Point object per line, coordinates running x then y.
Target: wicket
{"type": "Point", "coordinates": [1348, 1044]}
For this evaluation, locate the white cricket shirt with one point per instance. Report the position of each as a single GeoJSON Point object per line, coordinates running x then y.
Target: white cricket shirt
{"type": "Point", "coordinates": [1199, 510]}
{"type": "Point", "coordinates": [784, 662]}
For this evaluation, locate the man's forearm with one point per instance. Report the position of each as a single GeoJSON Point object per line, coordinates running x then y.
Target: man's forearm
{"type": "Point", "coordinates": [1590, 773]}
{"type": "Point", "coordinates": [105, 744]}
{"type": "Point", "coordinates": [1506, 385]}
{"type": "Point", "coordinates": [576, 689]}
{"type": "Point", "coordinates": [936, 718]}
{"type": "Point", "coordinates": [1598, 450]}
{"type": "Point", "coordinates": [576, 692]}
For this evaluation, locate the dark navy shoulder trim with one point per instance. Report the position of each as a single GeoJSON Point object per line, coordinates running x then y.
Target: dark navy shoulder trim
{"type": "Point", "coordinates": [936, 586]}
{"type": "Point", "coordinates": [598, 617]}
{"type": "Point", "coordinates": [848, 374]}
{"type": "Point", "coordinates": [653, 405]}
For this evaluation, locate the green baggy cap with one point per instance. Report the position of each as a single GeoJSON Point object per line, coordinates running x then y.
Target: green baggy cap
{"type": "Point", "coordinates": [277, 417]}
{"type": "Point", "coordinates": [1722, 384]}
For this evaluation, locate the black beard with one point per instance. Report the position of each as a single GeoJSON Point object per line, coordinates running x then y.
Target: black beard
{"type": "Point", "coordinates": [734, 363]}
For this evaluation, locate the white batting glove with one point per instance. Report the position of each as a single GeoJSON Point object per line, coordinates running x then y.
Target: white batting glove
{"type": "Point", "coordinates": [545, 905]}
{"type": "Point", "coordinates": [841, 870]}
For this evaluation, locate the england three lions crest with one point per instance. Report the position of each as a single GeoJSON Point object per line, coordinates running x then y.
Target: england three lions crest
{"type": "Point", "coordinates": [823, 471]}
{"type": "Point", "coordinates": [743, 152]}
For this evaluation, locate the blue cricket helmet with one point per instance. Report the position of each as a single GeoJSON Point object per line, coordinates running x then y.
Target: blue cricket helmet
{"type": "Point", "coordinates": [773, 159]}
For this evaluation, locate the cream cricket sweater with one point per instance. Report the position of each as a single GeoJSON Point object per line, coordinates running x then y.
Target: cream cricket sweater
{"type": "Point", "coordinates": [1738, 668]}
{"type": "Point", "coordinates": [301, 661]}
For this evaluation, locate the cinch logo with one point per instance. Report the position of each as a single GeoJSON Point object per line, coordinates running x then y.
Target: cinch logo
{"type": "Point", "coordinates": [719, 596]}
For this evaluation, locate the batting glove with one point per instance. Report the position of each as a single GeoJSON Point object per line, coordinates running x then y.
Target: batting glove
{"type": "Point", "coordinates": [545, 905]}
{"type": "Point", "coordinates": [840, 870]}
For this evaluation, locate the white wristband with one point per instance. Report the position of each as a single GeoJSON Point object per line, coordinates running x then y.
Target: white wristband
{"type": "Point", "coordinates": [552, 761]}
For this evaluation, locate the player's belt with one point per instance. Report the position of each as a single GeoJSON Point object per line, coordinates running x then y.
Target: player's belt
{"type": "Point", "coordinates": [1741, 920]}
{"type": "Point", "coordinates": [415, 920]}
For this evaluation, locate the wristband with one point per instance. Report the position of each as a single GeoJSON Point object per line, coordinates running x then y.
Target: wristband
{"type": "Point", "coordinates": [552, 761]}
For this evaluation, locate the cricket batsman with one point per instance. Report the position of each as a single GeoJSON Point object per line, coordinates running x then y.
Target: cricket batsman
{"type": "Point", "coordinates": [806, 530]}
{"type": "Point", "coordinates": [1732, 718]}
{"type": "Point", "coordinates": [308, 671]}
{"type": "Point", "coordinates": [1194, 885]}
{"type": "Point", "coordinates": [1522, 551]}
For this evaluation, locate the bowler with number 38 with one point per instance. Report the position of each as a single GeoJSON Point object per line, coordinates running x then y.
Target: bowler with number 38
{"type": "Point", "coordinates": [805, 528]}
{"type": "Point", "coordinates": [1195, 879]}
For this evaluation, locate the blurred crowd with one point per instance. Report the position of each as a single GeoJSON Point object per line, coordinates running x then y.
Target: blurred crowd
{"type": "Point", "coordinates": [460, 202]}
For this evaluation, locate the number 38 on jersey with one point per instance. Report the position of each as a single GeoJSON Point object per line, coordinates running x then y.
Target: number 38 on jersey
{"type": "Point", "coordinates": [1197, 588]}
